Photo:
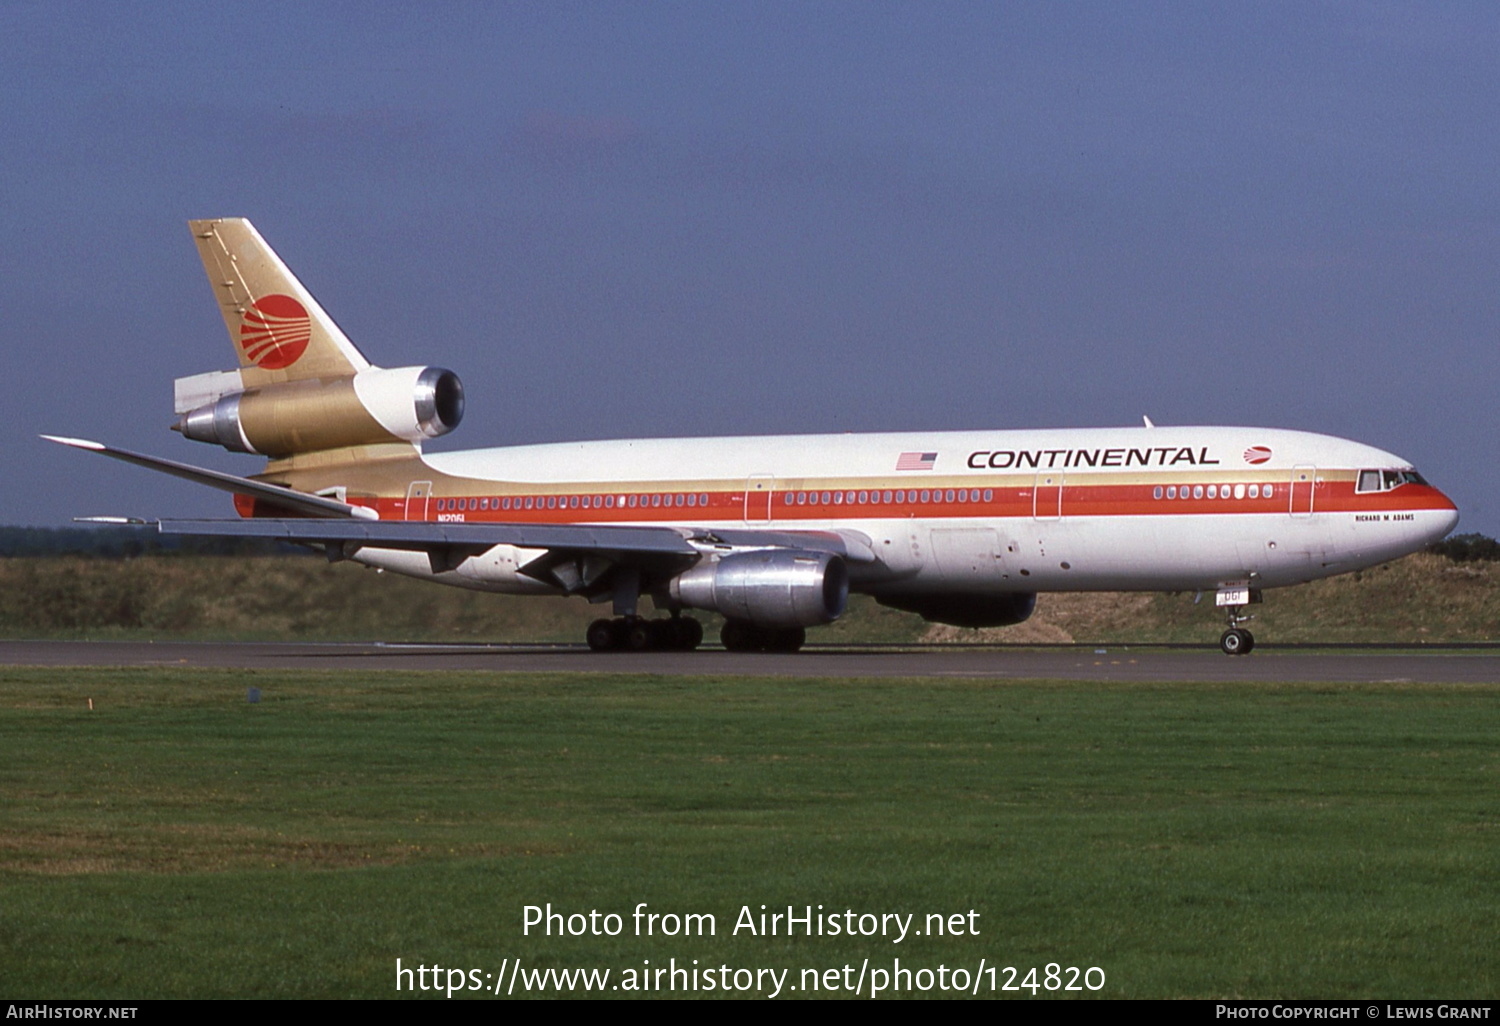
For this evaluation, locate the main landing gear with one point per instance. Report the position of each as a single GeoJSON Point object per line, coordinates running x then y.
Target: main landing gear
{"type": "Point", "coordinates": [739, 636]}
{"type": "Point", "coordinates": [637, 634]}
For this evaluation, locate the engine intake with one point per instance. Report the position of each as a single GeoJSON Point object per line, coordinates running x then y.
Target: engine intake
{"type": "Point", "coordinates": [769, 587]}
{"type": "Point", "coordinates": [374, 406]}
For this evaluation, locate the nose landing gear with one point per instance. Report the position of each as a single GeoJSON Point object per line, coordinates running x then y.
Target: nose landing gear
{"type": "Point", "coordinates": [1237, 641]}
{"type": "Point", "coordinates": [1233, 599]}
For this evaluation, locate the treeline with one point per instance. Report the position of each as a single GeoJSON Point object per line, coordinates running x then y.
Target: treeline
{"type": "Point", "coordinates": [1468, 548]}
{"type": "Point", "coordinates": [124, 542]}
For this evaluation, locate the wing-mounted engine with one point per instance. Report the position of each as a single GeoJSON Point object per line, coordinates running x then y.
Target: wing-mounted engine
{"type": "Point", "coordinates": [768, 587]}
{"type": "Point", "coordinates": [374, 406]}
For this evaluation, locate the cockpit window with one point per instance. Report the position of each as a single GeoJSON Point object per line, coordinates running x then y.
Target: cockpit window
{"type": "Point", "coordinates": [1385, 480]}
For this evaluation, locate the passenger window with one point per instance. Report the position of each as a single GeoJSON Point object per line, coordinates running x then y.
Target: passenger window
{"type": "Point", "coordinates": [1197, 491]}
{"type": "Point", "coordinates": [1213, 491]}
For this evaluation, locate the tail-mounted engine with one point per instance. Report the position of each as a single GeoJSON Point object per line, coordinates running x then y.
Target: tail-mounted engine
{"type": "Point", "coordinates": [374, 406]}
{"type": "Point", "coordinates": [768, 588]}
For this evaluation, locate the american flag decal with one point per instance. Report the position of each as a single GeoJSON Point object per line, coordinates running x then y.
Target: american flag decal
{"type": "Point", "coordinates": [916, 461]}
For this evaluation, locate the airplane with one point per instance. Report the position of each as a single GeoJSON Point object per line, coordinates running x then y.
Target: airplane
{"type": "Point", "coordinates": [773, 533]}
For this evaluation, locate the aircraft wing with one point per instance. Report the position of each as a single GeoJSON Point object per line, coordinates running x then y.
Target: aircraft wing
{"type": "Point", "coordinates": [652, 549]}
{"type": "Point", "coordinates": [575, 557]}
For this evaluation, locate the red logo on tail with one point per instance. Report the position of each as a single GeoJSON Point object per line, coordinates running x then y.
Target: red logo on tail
{"type": "Point", "coordinates": [275, 331]}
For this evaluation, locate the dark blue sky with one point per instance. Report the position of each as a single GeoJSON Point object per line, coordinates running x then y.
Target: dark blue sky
{"type": "Point", "coordinates": [643, 219]}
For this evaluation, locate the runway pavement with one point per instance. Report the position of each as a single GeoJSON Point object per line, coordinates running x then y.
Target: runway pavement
{"type": "Point", "coordinates": [1469, 664]}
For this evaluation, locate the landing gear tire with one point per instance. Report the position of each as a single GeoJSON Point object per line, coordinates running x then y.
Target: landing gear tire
{"type": "Point", "coordinates": [1237, 641]}
{"type": "Point", "coordinates": [789, 639]}
{"type": "Point", "coordinates": [602, 635]}
{"type": "Point", "coordinates": [681, 634]}
{"type": "Point", "coordinates": [746, 637]}
{"type": "Point", "coordinates": [685, 634]}
{"type": "Point", "coordinates": [642, 636]}
{"type": "Point", "coordinates": [739, 637]}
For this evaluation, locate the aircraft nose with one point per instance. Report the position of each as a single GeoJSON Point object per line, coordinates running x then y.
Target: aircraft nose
{"type": "Point", "coordinates": [1444, 521]}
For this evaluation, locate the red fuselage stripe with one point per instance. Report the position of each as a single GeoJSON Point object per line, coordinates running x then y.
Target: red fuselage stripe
{"type": "Point", "coordinates": [1075, 500]}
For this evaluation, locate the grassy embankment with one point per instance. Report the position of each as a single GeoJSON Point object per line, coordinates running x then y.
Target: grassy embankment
{"type": "Point", "coordinates": [1422, 599]}
{"type": "Point", "coordinates": [1191, 840]}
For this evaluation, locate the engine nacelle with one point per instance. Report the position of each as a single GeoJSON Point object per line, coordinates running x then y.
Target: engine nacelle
{"type": "Point", "coordinates": [966, 610]}
{"type": "Point", "coordinates": [377, 405]}
{"type": "Point", "coordinates": [768, 587]}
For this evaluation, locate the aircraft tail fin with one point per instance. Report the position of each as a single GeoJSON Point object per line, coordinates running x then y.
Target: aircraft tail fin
{"type": "Point", "coordinates": [279, 331]}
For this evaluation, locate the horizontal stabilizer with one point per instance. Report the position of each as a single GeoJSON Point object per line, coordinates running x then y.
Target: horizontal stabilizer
{"type": "Point", "coordinates": [300, 502]}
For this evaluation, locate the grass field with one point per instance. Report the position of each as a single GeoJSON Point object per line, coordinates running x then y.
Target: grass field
{"type": "Point", "coordinates": [1190, 840]}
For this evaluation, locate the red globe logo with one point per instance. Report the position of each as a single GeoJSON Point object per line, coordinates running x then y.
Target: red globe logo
{"type": "Point", "coordinates": [275, 331]}
{"type": "Point", "coordinates": [1257, 454]}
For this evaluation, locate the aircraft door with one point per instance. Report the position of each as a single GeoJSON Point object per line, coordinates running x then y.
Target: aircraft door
{"type": "Point", "coordinates": [1304, 482]}
{"type": "Point", "coordinates": [416, 500]}
{"type": "Point", "coordinates": [760, 489]}
{"type": "Point", "coordinates": [1047, 495]}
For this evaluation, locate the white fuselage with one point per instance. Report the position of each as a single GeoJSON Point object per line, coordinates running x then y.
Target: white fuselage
{"type": "Point", "coordinates": [983, 512]}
